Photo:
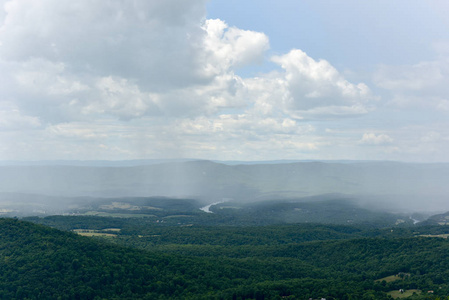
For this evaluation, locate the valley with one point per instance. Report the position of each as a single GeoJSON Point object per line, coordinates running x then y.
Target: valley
{"type": "Point", "coordinates": [251, 240]}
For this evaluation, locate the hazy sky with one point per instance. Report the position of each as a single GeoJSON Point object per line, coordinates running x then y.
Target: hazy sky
{"type": "Point", "coordinates": [229, 80]}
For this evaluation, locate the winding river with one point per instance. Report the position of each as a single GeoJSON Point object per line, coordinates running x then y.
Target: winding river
{"type": "Point", "coordinates": [207, 207]}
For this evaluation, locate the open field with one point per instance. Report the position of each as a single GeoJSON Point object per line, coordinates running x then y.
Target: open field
{"type": "Point", "coordinates": [405, 294]}
{"type": "Point", "coordinates": [444, 236]}
{"type": "Point", "coordinates": [116, 215]}
{"type": "Point", "coordinates": [389, 278]}
{"type": "Point", "coordinates": [177, 216]}
{"type": "Point", "coordinates": [127, 206]}
{"type": "Point", "coordinates": [112, 229]}
{"type": "Point", "coordinates": [90, 232]}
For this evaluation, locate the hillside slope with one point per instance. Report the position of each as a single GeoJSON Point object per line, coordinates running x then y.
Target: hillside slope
{"type": "Point", "coordinates": [37, 262]}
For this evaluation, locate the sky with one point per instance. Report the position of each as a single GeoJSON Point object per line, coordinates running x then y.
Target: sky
{"type": "Point", "coordinates": [224, 80]}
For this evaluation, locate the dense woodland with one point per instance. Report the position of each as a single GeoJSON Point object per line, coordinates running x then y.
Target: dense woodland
{"type": "Point", "coordinates": [144, 261]}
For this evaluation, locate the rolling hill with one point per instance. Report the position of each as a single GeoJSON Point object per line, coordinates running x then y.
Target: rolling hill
{"type": "Point", "coordinates": [400, 186]}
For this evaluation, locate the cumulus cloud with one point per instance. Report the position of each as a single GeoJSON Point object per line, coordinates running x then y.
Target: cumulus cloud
{"type": "Point", "coordinates": [231, 47]}
{"type": "Point", "coordinates": [125, 59]}
{"type": "Point", "coordinates": [119, 97]}
{"type": "Point", "coordinates": [313, 84]}
{"type": "Point", "coordinates": [44, 77]}
{"type": "Point", "coordinates": [138, 77]}
{"type": "Point", "coordinates": [150, 41]}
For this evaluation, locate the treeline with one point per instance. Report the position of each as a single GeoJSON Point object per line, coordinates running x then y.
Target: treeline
{"type": "Point", "coordinates": [171, 212]}
{"type": "Point", "coordinates": [262, 262]}
{"type": "Point", "coordinates": [147, 231]}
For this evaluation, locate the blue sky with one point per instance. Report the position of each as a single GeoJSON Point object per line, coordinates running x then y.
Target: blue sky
{"type": "Point", "coordinates": [227, 80]}
{"type": "Point", "coordinates": [347, 33]}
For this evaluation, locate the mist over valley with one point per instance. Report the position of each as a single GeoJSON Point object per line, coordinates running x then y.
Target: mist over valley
{"type": "Point", "coordinates": [372, 187]}
{"type": "Point", "coordinates": [224, 150]}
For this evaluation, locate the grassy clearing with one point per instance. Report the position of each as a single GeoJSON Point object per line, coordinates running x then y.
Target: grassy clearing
{"type": "Point", "coordinates": [127, 206]}
{"type": "Point", "coordinates": [389, 278]}
{"type": "Point", "coordinates": [407, 293]}
{"type": "Point", "coordinates": [444, 236]}
{"type": "Point", "coordinates": [97, 234]}
{"type": "Point", "coordinates": [177, 216]}
{"type": "Point", "coordinates": [91, 232]}
{"type": "Point", "coordinates": [112, 229]}
{"type": "Point", "coordinates": [116, 215]}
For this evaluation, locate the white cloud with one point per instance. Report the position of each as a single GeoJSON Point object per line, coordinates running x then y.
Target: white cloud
{"type": "Point", "coordinates": [424, 75]}
{"type": "Point", "coordinates": [315, 84]}
{"type": "Point", "coordinates": [231, 47]}
{"type": "Point", "coordinates": [134, 59]}
{"type": "Point", "coordinates": [373, 139]}
{"type": "Point", "coordinates": [11, 118]}
{"type": "Point", "coordinates": [76, 130]}
{"type": "Point", "coordinates": [75, 61]}
{"type": "Point", "coordinates": [225, 91]}
{"type": "Point", "coordinates": [119, 97]}
{"type": "Point", "coordinates": [150, 41]}
{"type": "Point", "coordinates": [44, 77]}
{"type": "Point", "coordinates": [136, 79]}
{"type": "Point", "coordinates": [422, 85]}
{"type": "Point", "coordinates": [267, 94]}
{"type": "Point", "coordinates": [233, 125]}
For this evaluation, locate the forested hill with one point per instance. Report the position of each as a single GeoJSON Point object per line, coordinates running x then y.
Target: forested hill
{"type": "Point", "coordinates": [37, 262]}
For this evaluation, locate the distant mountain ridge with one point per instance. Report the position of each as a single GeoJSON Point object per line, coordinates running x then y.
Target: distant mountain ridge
{"type": "Point", "coordinates": [143, 162]}
{"type": "Point", "coordinates": [410, 185]}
